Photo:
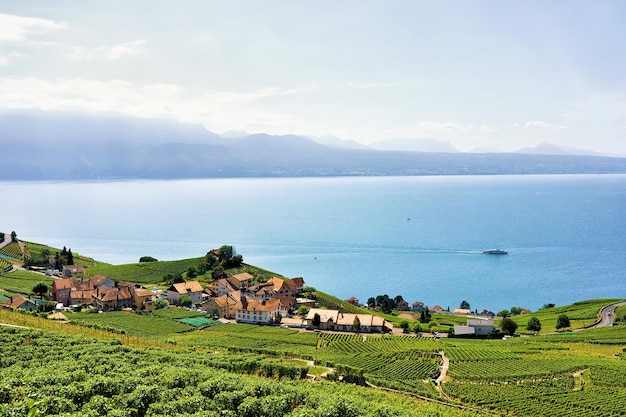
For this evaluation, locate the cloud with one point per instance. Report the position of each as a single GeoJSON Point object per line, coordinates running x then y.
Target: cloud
{"type": "Point", "coordinates": [19, 28]}
{"type": "Point", "coordinates": [109, 53]}
{"type": "Point", "coordinates": [6, 59]}
{"type": "Point", "coordinates": [370, 85]}
{"type": "Point", "coordinates": [544, 125]}
{"type": "Point", "coordinates": [217, 110]}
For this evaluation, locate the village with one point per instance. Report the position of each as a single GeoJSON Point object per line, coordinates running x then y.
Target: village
{"type": "Point", "coordinates": [236, 298]}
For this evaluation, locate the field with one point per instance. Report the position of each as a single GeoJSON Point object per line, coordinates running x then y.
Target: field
{"type": "Point", "coordinates": [81, 376]}
{"type": "Point", "coordinates": [22, 281]}
{"type": "Point", "coordinates": [142, 272]}
{"type": "Point", "coordinates": [580, 314]}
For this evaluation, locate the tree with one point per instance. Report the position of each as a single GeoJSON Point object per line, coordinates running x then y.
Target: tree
{"type": "Point", "coordinates": [218, 272]}
{"type": "Point", "coordinates": [46, 306]}
{"type": "Point", "coordinates": [371, 303]}
{"type": "Point", "coordinates": [509, 326]}
{"type": "Point", "coordinates": [225, 252]}
{"type": "Point", "coordinates": [533, 325]}
{"type": "Point", "coordinates": [13, 237]}
{"type": "Point", "coordinates": [303, 310]}
{"type": "Point", "coordinates": [40, 289]}
{"type": "Point", "coordinates": [562, 322]}
{"type": "Point", "coordinates": [160, 303]}
{"type": "Point", "coordinates": [416, 327]}
{"type": "Point", "coordinates": [70, 257]}
{"type": "Point", "coordinates": [548, 305]}
{"type": "Point", "coordinates": [464, 305]}
{"type": "Point", "coordinates": [316, 320]}
{"type": "Point", "coordinates": [356, 323]}
{"type": "Point", "coordinates": [147, 259]}
{"type": "Point", "coordinates": [516, 310]}
{"type": "Point", "coordinates": [185, 300]}
{"type": "Point", "coordinates": [503, 313]}
{"type": "Point", "coordinates": [278, 318]}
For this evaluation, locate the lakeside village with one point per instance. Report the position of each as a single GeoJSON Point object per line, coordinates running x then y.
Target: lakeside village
{"type": "Point", "coordinates": [238, 297]}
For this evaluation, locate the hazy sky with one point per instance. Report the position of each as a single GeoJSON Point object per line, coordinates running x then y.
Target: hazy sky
{"type": "Point", "coordinates": [495, 74]}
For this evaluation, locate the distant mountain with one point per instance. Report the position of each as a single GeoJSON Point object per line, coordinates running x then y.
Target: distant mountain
{"type": "Point", "coordinates": [545, 148]}
{"type": "Point", "coordinates": [336, 142]}
{"type": "Point", "coordinates": [233, 134]}
{"type": "Point", "coordinates": [69, 146]}
{"type": "Point", "coordinates": [413, 145]}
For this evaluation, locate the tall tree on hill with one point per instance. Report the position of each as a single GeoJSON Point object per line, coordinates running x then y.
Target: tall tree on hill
{"type": "Point", "coordinates": [534, 325]}
{"type": "Point", "coordinates": [40, 289]}
{"type": "Point", "coordinates": [70, 257]}
{"type": "Point", "coordinates": [13, 236]}
{"type": "Point", "coordinates": [509, 326]}
{"type": "Point", "coordinates": [464, 305]}
{"type": "Point", "coordinates": [562, 322]}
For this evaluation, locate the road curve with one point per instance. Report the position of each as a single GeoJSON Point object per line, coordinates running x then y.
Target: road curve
{"type": "Point", "coordinates": [606, 316]}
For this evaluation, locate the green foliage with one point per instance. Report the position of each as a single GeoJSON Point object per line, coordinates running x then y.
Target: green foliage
{"type": "Point", "coordinates": [147, 259]}
{"type": "Point", "coordinates": [465, 305]}
{"type": "Point", "coordinates": [185, 301]}
{"type": "Point", "coordinates": [562, 322]}
{"type": "Point", "coordinates": [516, 310]}
{"type": "Point", "coordinates": [316, 320]}
{"type": "Point", "coordinates": [99, 378]}
{"type": "Point", "coordinates": [533, 325]}
{"type": "Point", "coordinates": [40, 288]}
{"type": "Point", "coordinates": [160, 304]}
{"type": "Point", "coordinates": [508, 326]}
{"type": "Point", "coordinates": [504, 313]}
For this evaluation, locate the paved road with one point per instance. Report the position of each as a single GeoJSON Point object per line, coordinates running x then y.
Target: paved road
{"type": "Point", "coordinates": [606, 316]}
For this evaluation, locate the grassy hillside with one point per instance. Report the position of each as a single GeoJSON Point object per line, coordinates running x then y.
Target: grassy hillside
{"type": "Point", "coordinates": [22, 281]}
{"type": "Point", "coordinates": [142, 272]}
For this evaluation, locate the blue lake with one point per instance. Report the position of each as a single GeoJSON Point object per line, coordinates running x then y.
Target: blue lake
{"type": "Point", "coordinates": [420, 237]}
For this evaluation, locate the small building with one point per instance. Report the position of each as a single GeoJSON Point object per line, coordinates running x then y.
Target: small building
{"type": "Point", "coordinates": [143, 299]}
{"type": "Point", "coordinates": [112, 299]}
{"type": "Point", "coordinates": [20, 302]}
{"type": "Point", "coordinates": [462, 311]}
{"type": "Point", "coordinates": [250, 310]}
{"type": "Point", "coordinates": [436, 309]}
{"type": "Point", "coordinates": [353, 300]}
{"type": "Point", "coordinates": [72, 270]}
{"type": "Point", "coordinates": [225, 305]}
{"type": "Point", "coordinates": [280, 287]}
{"type": "Point", "coordinates": [296, 284]}
{"type": "Point", "coordinates": [101, 280]}
{"type": "Point", "coordinates": [241, 281]}
{"type": "Point", "coordinates": [328, 318]}
{"type": "Point", "coordinates": [476, 328]}
{"type": "Point", "coordinates": [402, 305]}
{"type": "Point", "coordinates": [191, 288]}
{"type": "Point", "coordinates": [418, 307]}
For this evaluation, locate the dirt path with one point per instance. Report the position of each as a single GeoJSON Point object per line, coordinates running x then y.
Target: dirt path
{"type": "Point", "coordinates": [443, 372]}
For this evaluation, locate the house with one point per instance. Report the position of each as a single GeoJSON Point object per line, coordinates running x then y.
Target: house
{"type": "Point", "coordinates": [240, 281]}
{"type": "Point", "coordinates": [225, 305]}
{"type": "Point", "coordinates": [436, 309]}
{"type": "Point", "coordinates": [366, 323]}
{"type": "Point", "coordinates": [487, 313]}
{"type": "Point", "coordinates": [61, 290]}
{"type": "Point", "coordinates": [476, 328]}
{"type": "Point", "coordinates": [20, 302]}
{"type": "Point", "coordinates": [71, 270]}
{"type": "Point", "coordinates": [191, 288]}
{"type": "Point", "coordinates": [402, 305]}
{"type": "Point", "coordinates": [462, 311]}
{"type": "Point", "coordinates": [328, 318]}
{"type": "Point", "coordinates": [353, 300]}
{"type": "Point", "coordinates": [142, 299]}
{"type": "Point", "coordinates": [335, 320]}
{"type": "Point", "coordinates": [287, 305]}
{"type": "Point", "coordinates": [280, 287]}
{"type": "Point", "coordinates": [250, 310]}
{"type": "Point", "coordinates": [111, 299]}
{"type": "Point", "coordinates": [100, 280]}
{"type": "Point", "coordinates": [223, 286]}
{"type": "Point", "coordinates": [418, 307]}
{"type": "Point", "coordinates": [305, 302]}
{"type": "Point", "coordinates": [296, 284]}
{"type": "Point", "coordinates": [80, 296]}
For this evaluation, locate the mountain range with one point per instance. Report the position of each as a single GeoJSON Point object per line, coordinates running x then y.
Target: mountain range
{"type": "Point", "coordinates": [37, 145]}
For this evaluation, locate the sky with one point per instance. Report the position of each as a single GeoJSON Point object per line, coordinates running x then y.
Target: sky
{"type": "Point", "coordinates": [486, 75]}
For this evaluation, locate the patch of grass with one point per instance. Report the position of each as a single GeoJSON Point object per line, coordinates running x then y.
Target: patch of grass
{"type": "Point", "coordinates": [174, 313]}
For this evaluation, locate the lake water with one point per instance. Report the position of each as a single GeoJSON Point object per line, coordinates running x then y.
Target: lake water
{"type": "Point", "coordinates": [420, 237]}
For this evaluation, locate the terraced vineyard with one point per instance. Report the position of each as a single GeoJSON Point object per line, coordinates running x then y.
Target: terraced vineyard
{"type": "Point", "coordinates": [540, 377]}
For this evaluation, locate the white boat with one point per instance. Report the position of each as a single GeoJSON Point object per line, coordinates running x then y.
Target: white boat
{"type": "Point", "coordinates": [495, 252]}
